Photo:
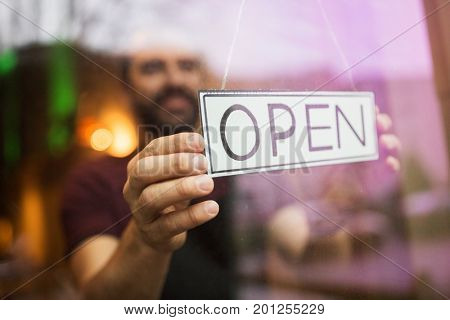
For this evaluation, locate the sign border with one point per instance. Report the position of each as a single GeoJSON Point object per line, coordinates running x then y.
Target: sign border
{"type": "Point", "coordinates": [202, 94]}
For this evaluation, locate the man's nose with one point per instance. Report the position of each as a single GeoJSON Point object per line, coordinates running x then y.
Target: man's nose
{"type": "Point", "coordinates": [175, 77]}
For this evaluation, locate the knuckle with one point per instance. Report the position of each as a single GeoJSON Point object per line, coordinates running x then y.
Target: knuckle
{"type": "Point", "coordinates": [139, 173]}
{"type": "Point", "coordinates": [162, 229]}
{"type": "Point", "coordinates": [178, 138]}
{"type": "Point", "coordinates": [130, 166]}
{"type": "Point", "coordinates": [164, 226]}
{"type": "Point", "coordinates": [148, 232]}
{"type": "Point", "coordinates": [138, 169]}
{"type": "Point", "coordinates": [134, 179]}
{"type": "Point", "coordinates": [139, 219]}
{"type": "Point", "coordinates": [171, 225]}
{"type": "Point", "coordinates": [132, 163]}
{"type": "Point", "coordinates": [126, 191]}
{"type": "Point", "coordinates": [184, 163]}
{"type": "Point", "coordinates": [152, 147]}
{"type": "Point", "coordinates": [148, 196]}
{"type": "Point", "coordinates": [192, 216]}
{"type": "Point", "coordinates": [162, 238]}
{"type": "Point", "coordinates": [177, 163]}
{"type": "Point", "coordinates": [183, 187]}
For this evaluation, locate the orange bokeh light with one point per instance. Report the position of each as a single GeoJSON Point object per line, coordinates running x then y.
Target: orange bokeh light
{"type": "Point", "coordinates": [101, 139]}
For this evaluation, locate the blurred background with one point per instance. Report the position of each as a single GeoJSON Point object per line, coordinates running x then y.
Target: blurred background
{"type": "Point", "coordinates": [62, 102]}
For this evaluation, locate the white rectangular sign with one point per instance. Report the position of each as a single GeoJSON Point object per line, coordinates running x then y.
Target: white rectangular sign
{"type": "Point", "coordinates": [255, 131]}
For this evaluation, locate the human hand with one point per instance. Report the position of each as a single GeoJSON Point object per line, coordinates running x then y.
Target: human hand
{"type": "Point", "coordinates": [389, 143]}
{"type": "Point", "coordinates": [162, 180]}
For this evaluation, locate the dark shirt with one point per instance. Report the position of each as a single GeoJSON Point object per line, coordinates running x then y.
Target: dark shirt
{"type": "Point", "coordinates": [93, 204]}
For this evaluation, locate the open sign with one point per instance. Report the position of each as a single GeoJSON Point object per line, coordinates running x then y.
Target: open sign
{"type": "Point", "coordinates": [248, 131]}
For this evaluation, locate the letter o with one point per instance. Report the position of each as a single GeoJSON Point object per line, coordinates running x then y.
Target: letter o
{"type": "Point", "coordinates": [223, 124]}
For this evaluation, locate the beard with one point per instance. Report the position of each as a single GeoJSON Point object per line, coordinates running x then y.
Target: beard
{"type": "Point", "coordinates": [173, 109]}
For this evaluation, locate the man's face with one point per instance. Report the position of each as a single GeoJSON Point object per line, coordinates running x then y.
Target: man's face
{"type": "Point", "coordinates": [170, 78]}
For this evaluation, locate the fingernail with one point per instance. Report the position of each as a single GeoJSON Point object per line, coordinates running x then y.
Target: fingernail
{"type": "Point", "coordinates": [393, 163]}
{"type": "Point", "coordinates": [199, 162]}
{"type": "Point", "coordinates": [204, 183]}
{"type": "Point", "coordinates": [212, 208]}
{"type": "Point", "coordinates": [387, 142]}
{"type": "Point", "coordinates": [196, 142]}
{"type": "Point", "coordinates": [193, 141]}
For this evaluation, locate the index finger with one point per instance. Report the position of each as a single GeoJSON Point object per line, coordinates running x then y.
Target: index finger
{"type": "Point", "coordinates": [176, 143]}
{"type": "Point", "coordinates": [189, 142]}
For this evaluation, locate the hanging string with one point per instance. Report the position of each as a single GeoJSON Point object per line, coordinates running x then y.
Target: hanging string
{"type": "Point", "coordinates": [337, 45]}
{"type": "Point", "coordinates": [233, 42]}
